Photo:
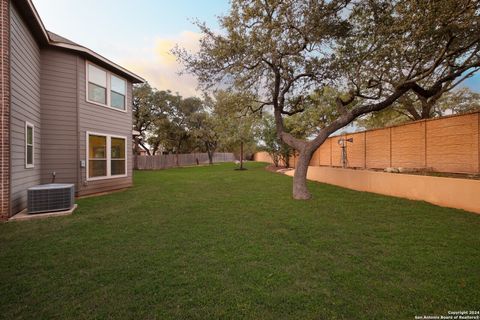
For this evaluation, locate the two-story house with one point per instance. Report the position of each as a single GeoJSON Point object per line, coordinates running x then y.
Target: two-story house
{"type": "Point", "coordinates": [65, 111]}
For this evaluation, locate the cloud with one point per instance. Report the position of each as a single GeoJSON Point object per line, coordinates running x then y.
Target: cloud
{"type": "Point", "coordinates": [156, 64]}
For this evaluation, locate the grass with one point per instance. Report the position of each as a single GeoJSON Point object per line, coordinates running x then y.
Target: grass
{"type": "Point", "coordinates": [211, 242]}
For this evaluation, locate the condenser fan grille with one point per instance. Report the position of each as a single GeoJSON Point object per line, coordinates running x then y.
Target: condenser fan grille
{"type": "Point", "coordinates": [51, 197]}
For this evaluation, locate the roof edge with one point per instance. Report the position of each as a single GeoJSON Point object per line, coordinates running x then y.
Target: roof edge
{"type": "Point", "coordinates": [95, 55]}
{"type": "Point", "coordinates": [38, 20]}
{"type": "Point", "coordinates": [78, 48]}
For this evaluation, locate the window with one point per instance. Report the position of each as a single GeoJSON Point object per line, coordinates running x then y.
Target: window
{"type": "Point", "coordinates": [29, 145]}
{"type": "Point", "coordinates": [118, 156]}
{"type": "Point", "coordinates": [106, 156]}
{"type": "Point", "coordinates": [97, 85]}
{"type": "Point", "coordinates": [118, 88]}
{"type": "Point", "coordinates": [105, 88]}
{"type": "Point", "coordinates": [97, 163]}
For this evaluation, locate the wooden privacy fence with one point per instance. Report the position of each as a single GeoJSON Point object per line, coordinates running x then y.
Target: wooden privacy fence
{"type": "Point", "coordinates": [170, 160]}
{"type": "Point", "coordinates": [448, 144]}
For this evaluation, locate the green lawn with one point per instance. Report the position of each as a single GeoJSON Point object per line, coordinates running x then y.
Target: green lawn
{"type": "Point", "coordinates": [211, 242]}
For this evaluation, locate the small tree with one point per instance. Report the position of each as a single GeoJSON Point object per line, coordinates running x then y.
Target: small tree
{"type": "Point", "coordinates": [237, 126]}
{"type": "Point", "coordinates": [204, 128]}
{"type": "Point", "coordinates": [300, 126]}
{"type": "Point", "coordinates": [145, 111]}
{"type": "Point", "coordinates": [271, 143]}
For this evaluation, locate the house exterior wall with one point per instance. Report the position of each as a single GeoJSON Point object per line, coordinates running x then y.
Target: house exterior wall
{"type": "Point", "coordinates": [25, 106]}
{"type": "Point", "coordinates": [59, 116]}
{"type": "Point", "coordinates": [67, 116]}
{"type": "Point", "coordinates": [99, 119]}
{"type": "Point", "coordinates": [4, 109]}
{"type": "Point", "coordinates": [45, 85]}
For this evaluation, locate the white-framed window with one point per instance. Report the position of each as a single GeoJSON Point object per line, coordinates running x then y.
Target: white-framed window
{"type": "Point", "coordinates": [29, 145]}
{"type": "Point", "coordinates": [105, 88]}
{"type": "Point", "coordinates": [118, 90]}
{"type": "Point", "coordinates": [106, 156]}
{"type": "Point", "coordinates": [97, 85]}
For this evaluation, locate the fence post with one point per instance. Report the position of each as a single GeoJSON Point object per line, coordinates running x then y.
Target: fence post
{"type": "Point", "coordinates": [331, 163]}
{"type": "Point", "coordinates": [365, 149]}
{"type": "Point", "coordinates": [390, 133]}
{"type": "Point", "coordinates": [425, 134]}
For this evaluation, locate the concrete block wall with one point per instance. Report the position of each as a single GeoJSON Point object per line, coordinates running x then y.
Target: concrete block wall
{"type": "Point", "coordinates": [448, 144]}
{"type": "Point", "coordinates": [452, 144]}
{"type": "Point", "coordinates": [447, 192]}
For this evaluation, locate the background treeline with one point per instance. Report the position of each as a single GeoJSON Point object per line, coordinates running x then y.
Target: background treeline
{"type": "Point", "coordinates": [169, 123]}
{"type": "Point", "coordinates": [229, 122]}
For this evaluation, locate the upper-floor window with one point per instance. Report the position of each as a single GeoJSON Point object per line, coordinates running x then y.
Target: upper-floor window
{"type": "Point", "coordinates": [29, 145]}
{"type": "Point", "coordinates": [97, 85]}
{"type": "Point", "coordinates": [117, 92]}
{"type": "Point", "coordinates": [105, 88]}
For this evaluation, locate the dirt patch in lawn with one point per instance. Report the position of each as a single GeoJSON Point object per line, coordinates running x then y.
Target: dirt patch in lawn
{"type": "Point", "coordinates": [275, 169]}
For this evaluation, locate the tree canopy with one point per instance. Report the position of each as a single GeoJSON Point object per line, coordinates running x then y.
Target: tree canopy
{"type": "Point", "coordinates": [371, 52]}
{"type": "Point", "coordinates": [170, 123]}
{"type": "Point", "coordinates": [407, 109]}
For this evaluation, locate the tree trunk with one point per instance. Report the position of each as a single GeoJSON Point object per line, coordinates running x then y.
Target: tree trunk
{"type": "Point", "coordinates": [275, 161]}
{"type": "Point", "coordinates": [300, 190]}
{"type": "Point", "coordinates": [210, 157]}
{"type": "Point", "coordinates": [209, 153]}
{"type": "Point", "coordinates": [136, 153]}
{"type": "Point", "coordinates": [241, 155]}
{"type": "Point", "coordinates": [176, 153]}
{"type": "Point", "coordinates": [287, 160]}
{"type": "Point", "coordinates": [144, 148]}
{"type": "Point", "coordinates": [427, 108]}
{"type": "Point", "coordinates": [275, 158]}
{"type": "Point", "coordinates": [136, 147]}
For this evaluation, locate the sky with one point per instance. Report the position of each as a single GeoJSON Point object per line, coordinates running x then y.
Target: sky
{"type": "Point", "coordinates": [139, 34]}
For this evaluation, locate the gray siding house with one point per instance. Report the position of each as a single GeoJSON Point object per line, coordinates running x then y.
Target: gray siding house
{"type": "Point", "coordinates": [65, 114]}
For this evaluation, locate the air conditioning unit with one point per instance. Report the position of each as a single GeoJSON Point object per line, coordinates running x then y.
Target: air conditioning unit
{"type": "Point", "coordinates": [51, 197]}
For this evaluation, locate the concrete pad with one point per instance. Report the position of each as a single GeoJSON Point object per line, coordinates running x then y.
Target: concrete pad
{"type": "Point", "coordinates": [24, 215]}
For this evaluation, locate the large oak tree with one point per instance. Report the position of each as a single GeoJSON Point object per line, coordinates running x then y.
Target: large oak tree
{"type": "Point", "coordinates": [370, 51]}
{"type": "Point", "coordinates": [144, 112]}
